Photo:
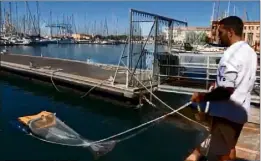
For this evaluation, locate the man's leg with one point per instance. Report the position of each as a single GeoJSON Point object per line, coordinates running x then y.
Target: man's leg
{"type": "Point", "coordinates": [224, 138]}
{"type": "Point", "coordinates": [229, 157]}
{"type": "Point", "coordinates": [233, 154]}
{"type": "Point", "coordinates": [194, 156]}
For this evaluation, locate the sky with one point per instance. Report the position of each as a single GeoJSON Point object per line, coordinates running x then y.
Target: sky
{"type": "Point", "coordinates": [196, 13]}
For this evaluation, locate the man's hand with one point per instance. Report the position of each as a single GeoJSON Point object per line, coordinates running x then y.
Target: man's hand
{"type": "Point", "coordinates": [197, 97]}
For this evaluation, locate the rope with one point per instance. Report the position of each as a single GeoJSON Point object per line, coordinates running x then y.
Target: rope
{"type": "Point", "coordinates": [206, 143]}
{"type": "Point", "coordinates": [126, 131]}
{"type": "Point", "coordinates": [94, 88]}
{"type": "Point", "coordinates": [130, 136]}
{"type": "Point", "coordinates": [82, 95]}
{"type": "Point", "coordinates": [164, 102]}
{"type": "Point", "coordinates": [137, 127]}
{"type": "Point", "coordinates": [149, 102]}
{"type": "Point", "coordinates": [209, 138]}
{"type": "Point", "coordinates": [52, 78]}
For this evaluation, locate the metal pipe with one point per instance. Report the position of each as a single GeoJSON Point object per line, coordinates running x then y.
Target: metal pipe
{"type": "Point", "coordinates": [115, 74]}
{"type": "Point", "coordinates": [129, 49]}
{"type": "Point", "coordinates": [155, 48]}
{"type": "Point", "coordinates": [142, 52]}
{"type": "Point", "coordinates": [186, 77]}
{"type": "Point", "coordinates": [159, 17]}
{"type": "Point", "coordinates": [141, 21]}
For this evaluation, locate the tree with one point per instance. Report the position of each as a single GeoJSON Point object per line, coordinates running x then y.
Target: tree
{"type": "Point", "coordinates": [196, 38]}
{"type": "Point", "coordinates": [202, 37]}
{"type": "Point", "coordinates": [191, 37]}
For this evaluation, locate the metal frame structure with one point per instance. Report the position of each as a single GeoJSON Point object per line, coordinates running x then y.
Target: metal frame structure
{"type": "Point", "coordinates": [203, 67]}
{"type": "Point", "coordinates": [137, 67]}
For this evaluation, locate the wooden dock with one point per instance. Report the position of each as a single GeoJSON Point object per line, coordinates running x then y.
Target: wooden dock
{"type": "Point", "coordinates": [248, 146]}
{"type": "Point", "coordinates": [74, 74]}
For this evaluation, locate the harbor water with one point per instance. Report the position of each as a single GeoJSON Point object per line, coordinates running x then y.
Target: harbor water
{"type": "Point", "coordinates": [90, 117]}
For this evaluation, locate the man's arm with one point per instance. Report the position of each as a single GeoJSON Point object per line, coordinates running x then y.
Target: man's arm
{"type": "Point", "coordinates": [219, 94]}
{"type": "Point", "coordinates": [226, 84]}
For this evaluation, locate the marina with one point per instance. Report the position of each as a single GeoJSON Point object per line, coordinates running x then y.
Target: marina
{"type": "Point", "coordinates": [93, 79]}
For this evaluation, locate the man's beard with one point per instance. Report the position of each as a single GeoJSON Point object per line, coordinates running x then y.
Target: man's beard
{"type": "Point", "coordinates": [224, 43]}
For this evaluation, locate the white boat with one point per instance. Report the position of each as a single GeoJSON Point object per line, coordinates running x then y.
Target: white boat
{"type": "Point", "coordinates": [197, 49]}
{"type": "Point", "coordinates": [19, 41]}
{"type": "Point", "coordinates": [105, 42]}
{"type": "Point", "coordinates": [109, 42]}
{"type": "Point", "coordinates": [209, 48]}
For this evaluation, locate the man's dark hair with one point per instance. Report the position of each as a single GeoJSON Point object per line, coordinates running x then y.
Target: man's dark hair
{"type": "Point", "coordinates": [233, 22]}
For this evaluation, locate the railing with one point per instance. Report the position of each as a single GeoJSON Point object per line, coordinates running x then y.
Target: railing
{"type": "Point", "coordinates": [195, 71]}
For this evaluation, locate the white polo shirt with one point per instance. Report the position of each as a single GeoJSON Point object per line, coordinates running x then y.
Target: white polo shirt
{"type": "Point", "coordinates": [237, 69]}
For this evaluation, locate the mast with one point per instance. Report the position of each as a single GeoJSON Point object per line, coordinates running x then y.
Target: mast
{"type": "Point", "coordinates": [101, 30]}
{"type": "Point", "coordinates": [85, 26]}
{"type": "Point", "coordinates": [117, 27]}
{"type": "Point", "coordinates": [217, 14]}
{"type": "Point", "coordinates": [213, 12]}
{"type": "Point", "coordinates": [16, 15]}
{"type": "Point", "coordinates": [244, 16]}
{"type": "Point", "coordinates": [228, 7]}
{"type": "Point", "coordinates": [74, 24]}
{"type": "Point", "coordinates": [234, 10]}
{"type": "Point", "coordinates": [106, 27]}
{"type": "Point", "coordinates": [31, 17]}
{"type": "Point", "coordinates": [50, 23]}
{"type": "Point", "coordinates": [10, 13]}
{"type": "Point", "coordinates": [4, 20]}
{"type": "Point", "coordinates": [24, 23]}
{"type": "Point", "coordinates": [59, 30]}
{"type": "Point", "coordinates": [34, 19]}
{"type": "Point", "coordinates": [95, 29]}
{"type": "Point", "coordinates": [38, 18]}
{"type": "Point", "coordinates": [25, 19]}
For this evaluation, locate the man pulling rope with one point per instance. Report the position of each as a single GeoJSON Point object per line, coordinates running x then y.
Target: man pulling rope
{"type": "Point", "coordinates": [229, 102]}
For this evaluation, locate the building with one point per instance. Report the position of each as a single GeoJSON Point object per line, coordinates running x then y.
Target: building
{"type": "Point", "coordinates": [251, 33]}
{"type": "Point", "coordinates": [179, 34]}
{"type": "Point", "coordinates": [81, 36]}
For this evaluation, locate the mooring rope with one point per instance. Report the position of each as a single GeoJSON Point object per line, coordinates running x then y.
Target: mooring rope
{"type": "Point", "coordinates": [163, 101]}
{"type": "Point", "coordinates": [148, 101]}
{"type": "Point", "coordinates": [100, 84]}
{"type": "Point", "coordinates": [142, 125]}
{"type": "Point", "coordinates": [91, 90]}
{"type": "Point", "coordinates": [58, 70]}
{"type": "Point", "coordinates": [52, 78]}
